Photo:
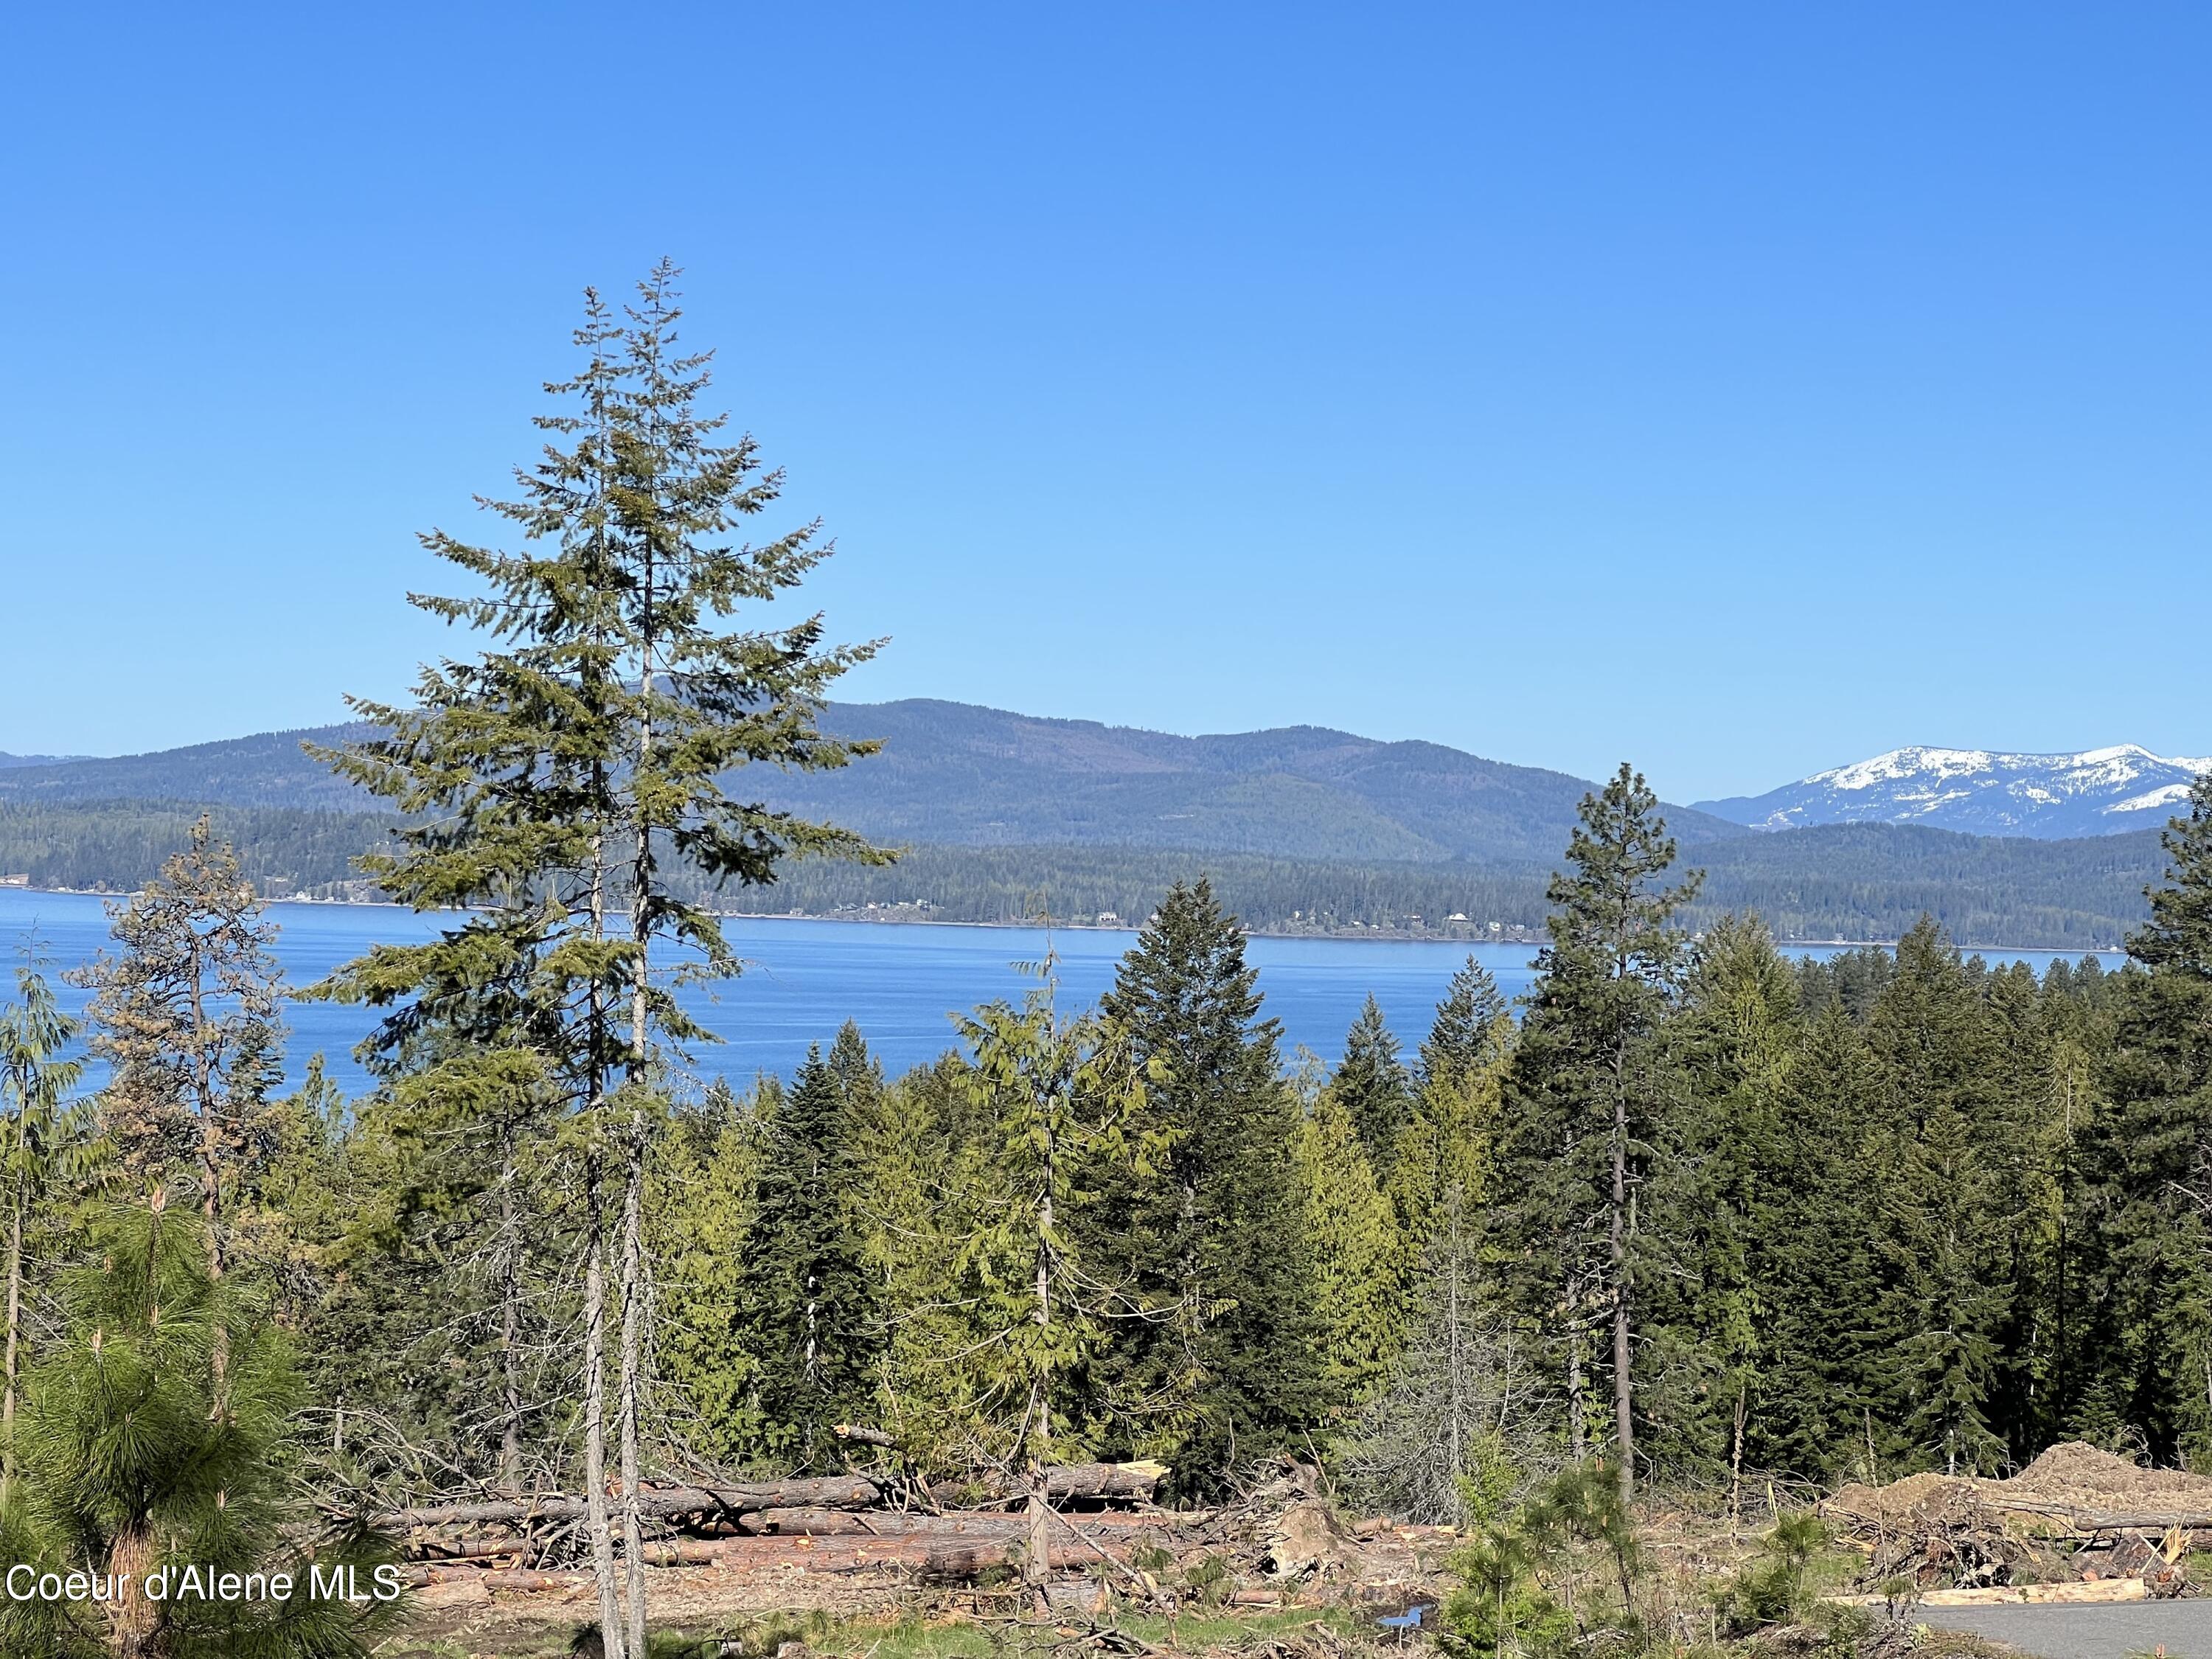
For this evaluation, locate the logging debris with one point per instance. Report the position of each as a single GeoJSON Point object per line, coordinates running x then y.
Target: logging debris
{"type": "Point", "coordinates": [2075, 1513]}
{"type": "Point", "coordinates": [1282, 1537]}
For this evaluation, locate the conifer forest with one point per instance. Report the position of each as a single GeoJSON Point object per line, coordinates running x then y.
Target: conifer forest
{"type": "Point", "coordinates": [1695, 1224]}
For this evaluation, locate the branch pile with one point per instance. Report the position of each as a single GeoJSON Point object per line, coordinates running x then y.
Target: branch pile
{"type": "Point", "coordinates": [2075, 1513]}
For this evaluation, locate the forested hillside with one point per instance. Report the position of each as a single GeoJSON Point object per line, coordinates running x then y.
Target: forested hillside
{"type": "Point", "coordinates": [267, 769]}
{"type": "Point", "coordinates": [958, 775]}
{"type": "Point", "coordinates": [116, 846]}
{"type": "Point", "coordinates": [1851, 882]}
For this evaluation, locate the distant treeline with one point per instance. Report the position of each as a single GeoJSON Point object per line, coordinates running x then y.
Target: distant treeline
{"type": "Point", "coordinates": [1852, 881]}
{"type": "Point", "coordinates": [1856, 881]}
{"type": "Point", "coordinates": [1871, 881]}
{"type": "Point", "coordinates": [118, 845]}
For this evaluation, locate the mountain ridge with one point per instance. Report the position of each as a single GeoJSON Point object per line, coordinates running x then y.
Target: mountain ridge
{"type": "Point", "coordinates": [2113, 790]}
{"type": "Point", "coordinates": [958, 774]}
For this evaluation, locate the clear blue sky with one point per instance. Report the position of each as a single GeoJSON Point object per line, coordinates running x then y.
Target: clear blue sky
{"type": "Point", "coordinates": [1739, 389]}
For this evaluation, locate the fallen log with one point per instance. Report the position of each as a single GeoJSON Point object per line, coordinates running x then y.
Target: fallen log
{"type": "Point", "coordinates": [472, 1549]}
{"type": "Point", "coordinates": [1069, 1483]}
{"type": "Point", "coordinates": [1133, 1482]}
{"type": "Point", "coordinates": [959, 1523]}
{"type": "Point", "coordinates": [659, 1503]}
{"type": "Point", "coordinates": [2081, 1520]}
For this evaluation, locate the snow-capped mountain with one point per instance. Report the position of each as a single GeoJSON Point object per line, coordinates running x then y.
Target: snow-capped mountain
{"type": "Point", "coordinates": [2099, 792]}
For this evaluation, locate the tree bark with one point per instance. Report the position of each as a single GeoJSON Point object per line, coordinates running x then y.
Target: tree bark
{"type": "Point", "coordinates": [15, 1328]}
{"type": "Point", "coordinates": [844, 1492]}
{"type": "Point", "coordinates": [510, 1315]}
{"type": "Point", "coordinates": [1092, 1482]}
{"type": "Point", "coordinates": [1577, 1409]}
{"type": "Point", "coordinates": [633, 1295]}
{"type": "Point", "coordinates": [1036, 1562]}
{"type": "Point", "coordinates": [633, 1260]}
{"type": "Point", "coordinates": [1736, 1461]}
{"type": "Point", "coordinates": [612, 1625]}
{"type": "Point", "coordinates": [1623, 1419]}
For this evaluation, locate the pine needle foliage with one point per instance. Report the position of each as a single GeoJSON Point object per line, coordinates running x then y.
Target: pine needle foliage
{"type": "Point", "coordinates": [1216, 1231]}
{"type": "Point", "coordinates": [158, 1434]}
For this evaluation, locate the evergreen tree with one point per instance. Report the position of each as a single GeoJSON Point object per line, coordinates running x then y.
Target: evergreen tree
{"type": "Point", "coordinates": [47, 1143]}
{"type": "Point", "coordinates": [556, 781]}
{"type": "Point", "coordinates": [1707, 1244]}
{"type": "Point", "coordinates": [701, 1213]}
{"type": "Point", "coordinates": [1824, 1367]}
{"type": "Point", "coordinates": [158, 1433]}
{"type": "Point", "coordinates": [1359, 1254]}
{"type": "Point", "coordinates": [1372, 1083]}
{"type": "Point", "coordinates": [463, 1203]}
{"type": "Point", "coordinates": [1447, 1144]}
{"type": "Point", "coordinates": [1065, 1097]}
{"type": "Point", "coordinates": [1944, 1311]}
{"type": "Point", "coordinates": [927, 1183]}
{"type": "Point", "coordinates": [809, 1321]}
{"type": "Point", "coordinates": [1471, 1025]}
{"type": "Point", "coordinates": [1591, 1079]}
{"type": "Point", "coordinates": [2147, 1181]}
{"type": "Point", "coordinates": [183, 1016]}
{"type": "Point", "coordinates": [1216, 1231]}
{"type": "Point", "coordinates": [1937, 1228]}
{"type": "Point", "coordinates": [857, 1074]}
{"type": "Point", "coordinates": [2025, 1160]}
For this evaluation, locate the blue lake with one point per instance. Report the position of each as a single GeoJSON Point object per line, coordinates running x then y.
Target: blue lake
{"type": "Point", "coordinates": [804, 979]}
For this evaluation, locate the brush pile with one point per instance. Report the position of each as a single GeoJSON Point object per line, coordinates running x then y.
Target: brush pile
{"type": "Point", "coordinates": [2075, 1514]}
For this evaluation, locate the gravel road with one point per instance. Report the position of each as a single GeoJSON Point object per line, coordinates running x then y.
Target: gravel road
{"type": "Point", "coordinates": [2184, 1628]}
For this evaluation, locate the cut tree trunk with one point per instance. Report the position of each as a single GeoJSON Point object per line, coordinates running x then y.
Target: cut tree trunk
{"type": "Point", "coordinates": [1133, 1482]}
{"type": "Point", "coordinates": [837, 1492]}
{"type": "Point", "coordinates": [1072, 1482]}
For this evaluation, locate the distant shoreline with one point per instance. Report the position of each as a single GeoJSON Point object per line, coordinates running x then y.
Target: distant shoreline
{"type": "Point", "coordinates": [1350, 935]}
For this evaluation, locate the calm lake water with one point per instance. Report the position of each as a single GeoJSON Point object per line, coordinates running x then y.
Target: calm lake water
{"type": "Point", "coordinates": [804, 979]}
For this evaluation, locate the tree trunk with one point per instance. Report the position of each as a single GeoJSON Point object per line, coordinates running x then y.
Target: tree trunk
{"type": "Point", "coordinates": [1457, 1349]}
{"type": "Point", "coordinates": [211, 1140]}
{"type": "Point", "coordinates": [15, 1329]}
{"type": "Point", "coordinates": [211, 1171]}
{"type": "Point", "coordinates": [1736, 1463]}
{"type": "Point", "coordinates": [613, 1627]}
{"type": "Point", "coordinates": [849, 1493]}
{"type": "Point", "coordinates": [611, 1624]}
{"type": "Point", "coordinates": [633, 1360]}
{"type": "Point", "coordinates": [1577, 1423]}
{"type": "Point", "coordinates": [510, 1316]}
{"type": "Point", "coordinates": [1036, 1565]}
{"type": "Point", "coordinates": [632, 1258]}
{"type": "Point", "coordinates": [1624, 1421]}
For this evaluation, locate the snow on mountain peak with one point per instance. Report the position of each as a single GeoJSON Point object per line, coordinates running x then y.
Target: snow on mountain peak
{"type": "Point", "coordinates": [1984, 792]}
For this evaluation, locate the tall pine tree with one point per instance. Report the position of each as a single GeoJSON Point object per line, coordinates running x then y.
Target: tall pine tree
{"type": "Point", "coordinates": [1217, 1230]}
{"type": "Point", "coordinates": [1591, 1079]}
{"type": "Point", "coordinates": [2148, 1171]}
{"type": "Point", "coordinates": [1373, 1086]}
{"type": "Point", "coordinates": [561, 782]}
{"type": "Point", "coordinates": [810, 1320]}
